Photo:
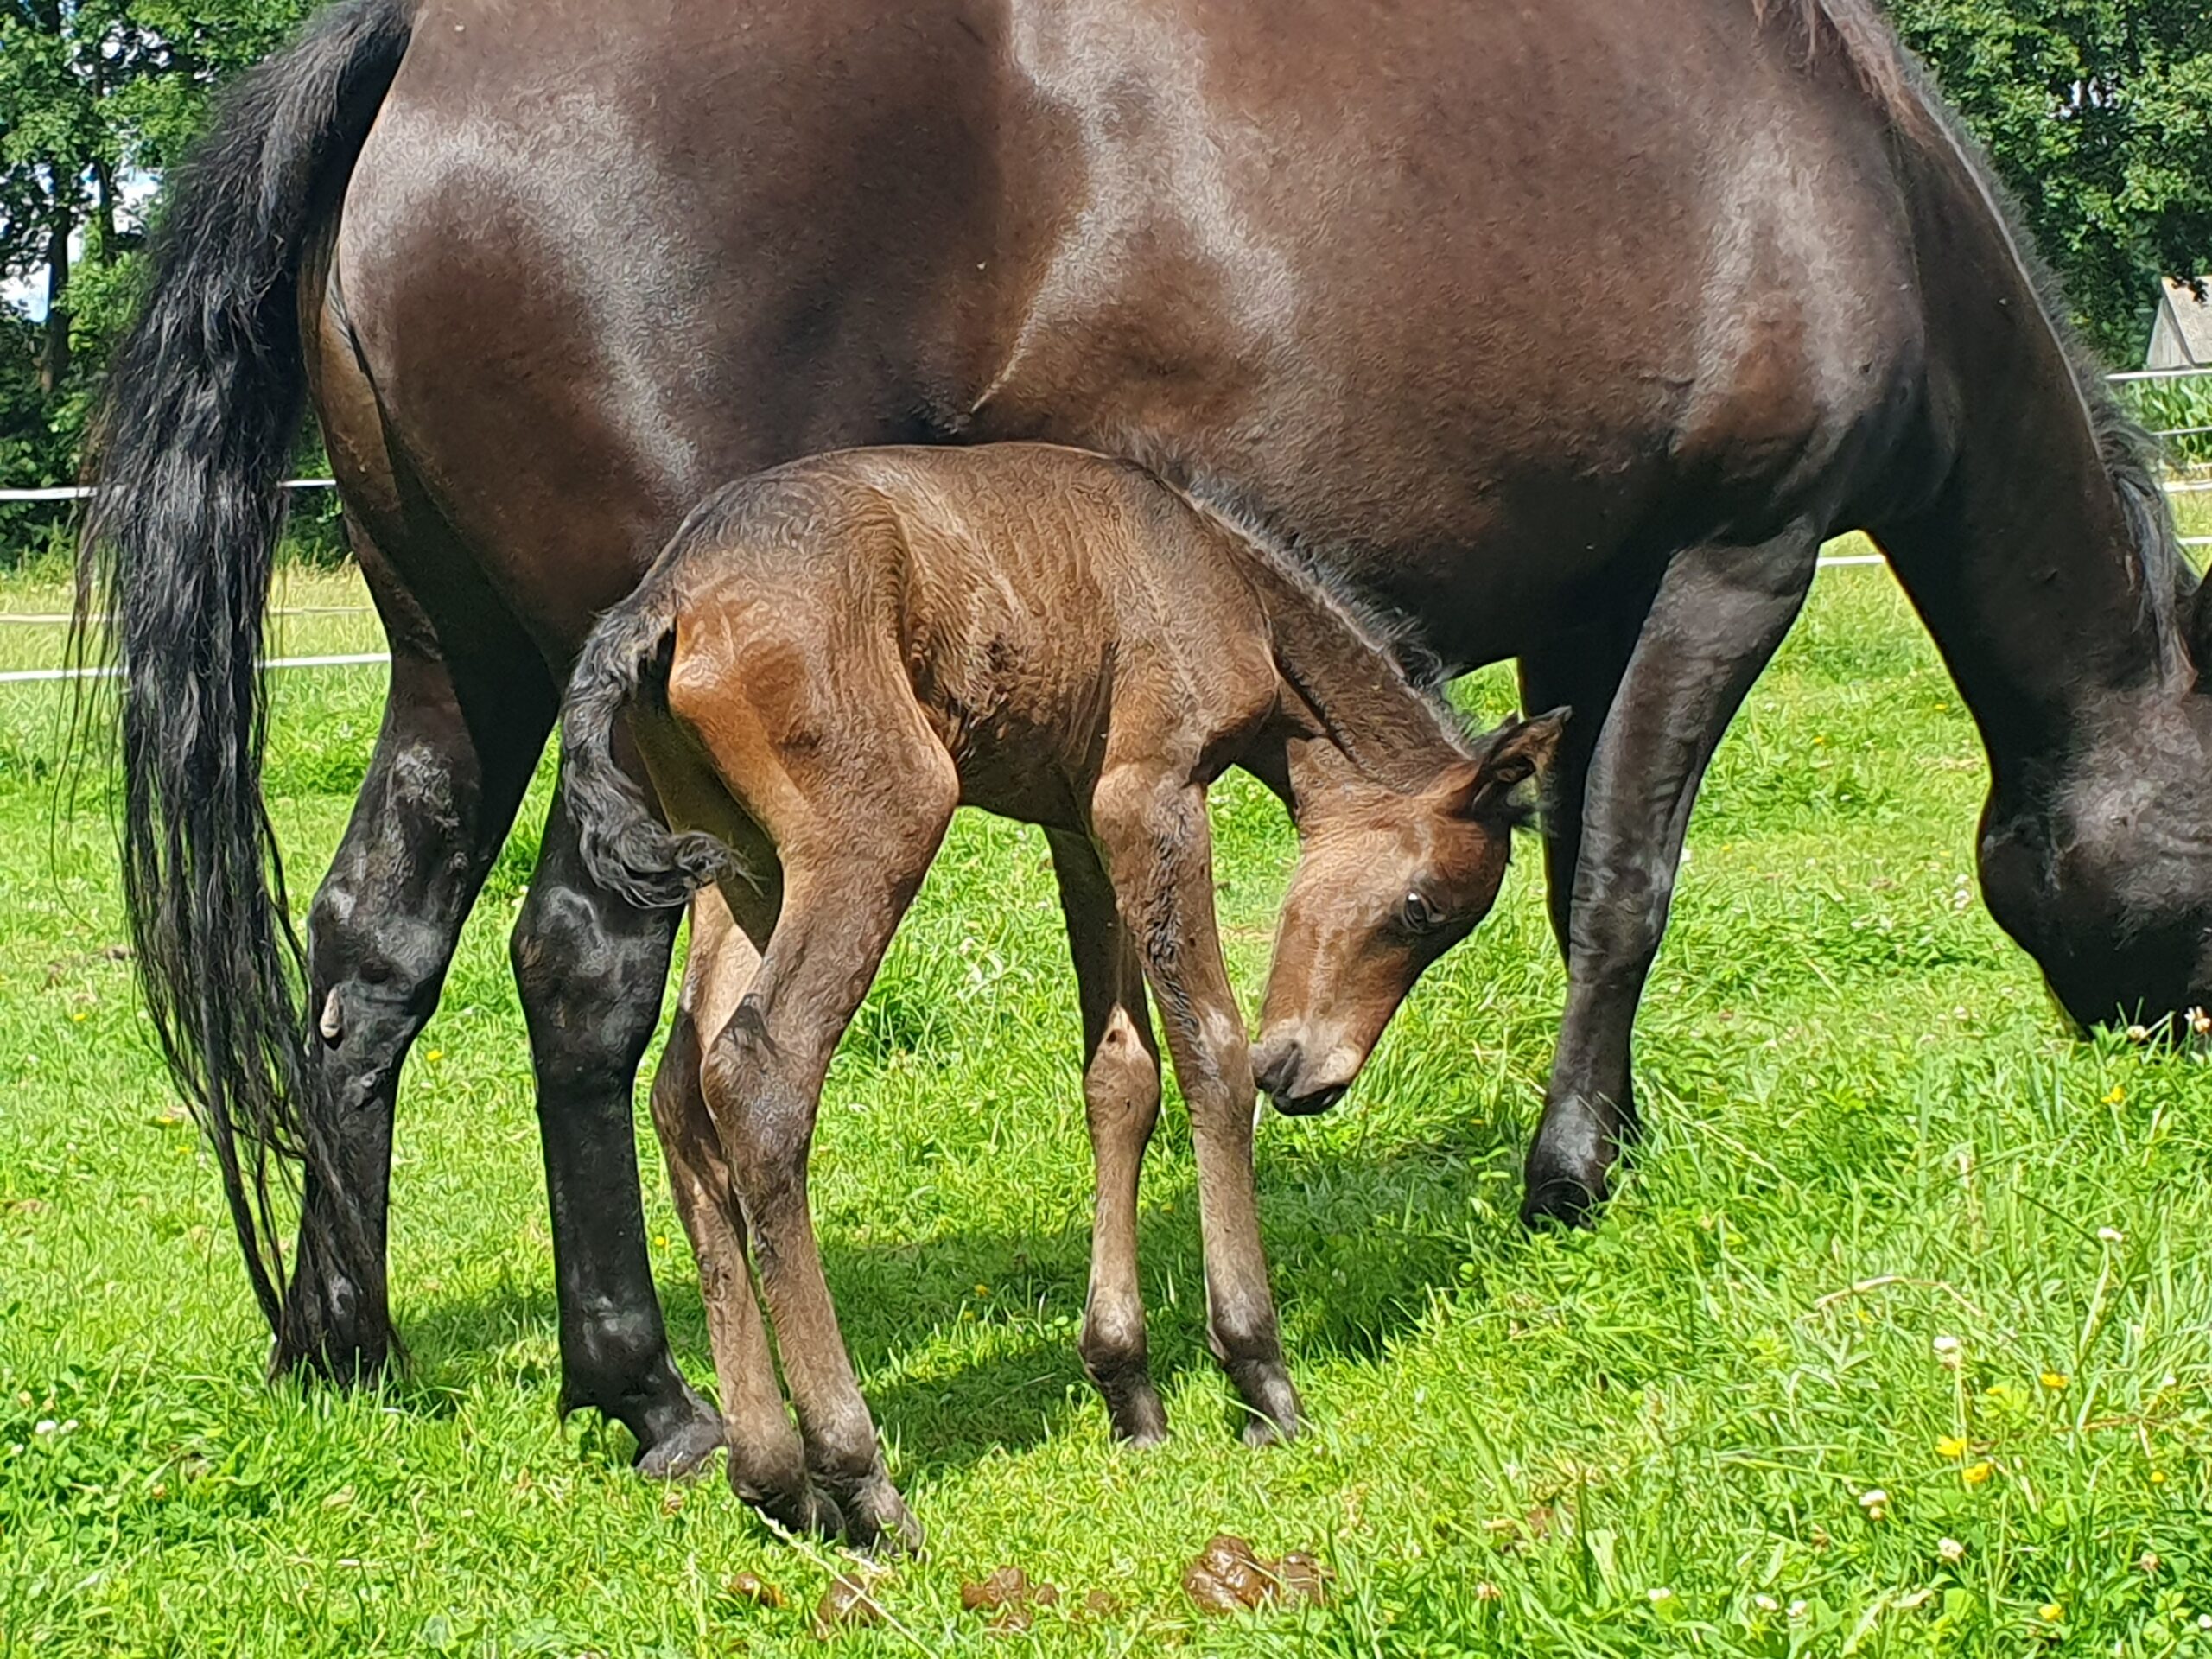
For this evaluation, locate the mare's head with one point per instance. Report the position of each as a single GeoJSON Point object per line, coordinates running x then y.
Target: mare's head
{"type": "Point", "coordinates": [2100, 864]}
{"type": "Point", "coordinates": [1387, 881]}
{"type": "Point", "coordinates": [2095, 849]}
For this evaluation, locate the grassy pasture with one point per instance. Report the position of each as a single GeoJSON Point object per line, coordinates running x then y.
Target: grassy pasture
{"type": "Point", "coordinates": [1722, 1422]}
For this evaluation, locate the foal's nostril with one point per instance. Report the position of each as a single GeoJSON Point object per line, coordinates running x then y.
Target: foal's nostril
{"type": "Point", "coordinates": [1275, 1063]}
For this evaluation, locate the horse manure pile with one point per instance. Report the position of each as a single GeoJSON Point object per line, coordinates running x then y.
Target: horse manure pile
{"type": "Point", "coordinates": [1229, 1576]}
{"type": "Point", "coordinates": [848, 1603]}
{"type": "Point", "coordinates": [1010, 1599]}
{"type": "Point", "coordinates": [752, 1587]}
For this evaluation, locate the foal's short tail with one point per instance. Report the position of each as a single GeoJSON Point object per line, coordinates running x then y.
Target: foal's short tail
{"type": "Point", "coordinates": [627, 849]}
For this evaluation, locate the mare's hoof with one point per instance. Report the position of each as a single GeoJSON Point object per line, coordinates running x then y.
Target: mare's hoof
{"type": "Point", "coordinates": [684, 1447]}
{"type": "Point", "coordinates": [1562, 1200]}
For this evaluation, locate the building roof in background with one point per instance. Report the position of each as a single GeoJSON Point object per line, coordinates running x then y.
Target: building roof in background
{"type": "Point", "coordinates": [2181, 338]}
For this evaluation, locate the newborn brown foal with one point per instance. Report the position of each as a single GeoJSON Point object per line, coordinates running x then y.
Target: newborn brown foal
{"type": "Point", "coordinates": [832, 655]}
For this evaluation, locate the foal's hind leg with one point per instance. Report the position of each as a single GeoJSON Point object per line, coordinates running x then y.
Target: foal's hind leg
{"type": "Point", "coordinates": [767, 1461]}
{"type": "Point", "coordinates": [1120, 1099]}
{"type": "Point", "coordinates": [1721, 613]}
{"type": "Point", "coordinates": [440, 794]}
{"type": "Point", "coordinates": [844, 898]}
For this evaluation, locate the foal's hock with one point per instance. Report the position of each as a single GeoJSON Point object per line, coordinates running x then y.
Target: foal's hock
{"type": "Point", "coordinates": [828, 659]}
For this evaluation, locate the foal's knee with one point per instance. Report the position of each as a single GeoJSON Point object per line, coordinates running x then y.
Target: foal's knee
{"type": "Point", "coordinates": [1121, 1086]}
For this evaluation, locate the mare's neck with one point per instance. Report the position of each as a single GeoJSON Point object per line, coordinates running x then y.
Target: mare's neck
{"type": "Point", "coordinates": [2023, 560]}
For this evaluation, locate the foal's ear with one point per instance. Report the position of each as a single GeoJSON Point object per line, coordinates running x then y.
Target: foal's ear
{"type": "Point", "coordinates": [1514, 753]}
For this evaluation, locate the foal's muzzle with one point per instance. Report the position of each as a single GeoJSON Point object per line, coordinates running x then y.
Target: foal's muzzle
{"type": "Point", "coordinates": [1281, 1069]}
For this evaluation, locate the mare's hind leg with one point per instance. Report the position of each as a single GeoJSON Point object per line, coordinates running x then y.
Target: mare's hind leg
{"type": "Point", "coordinates": [1719, 614]}
{"type": "Point", "coordinates": [1120, 1099]}
{"type": "Point", "coordinates": [767, 1461]}
{"type": "Point", "coordinates": [440, 792]}
{"type": "Point", "coordinates": [592, 970]}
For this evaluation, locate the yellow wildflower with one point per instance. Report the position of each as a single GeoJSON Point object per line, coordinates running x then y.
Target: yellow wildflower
{"type": "Point", "coordinates": [1951, 1445]}
{"type": "Point", "coordinates": [2054, 1380]}
{"type": "Point", "coordinates": [1975, 1473]}
{"type": "Point", "coordinates": [2050, 1613]}
{"type": "Point", "coordinates": [2115, 1095]}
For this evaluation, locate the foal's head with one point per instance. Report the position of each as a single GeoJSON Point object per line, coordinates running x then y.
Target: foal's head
{"type": "Point", "coordinates": [1385, 883]}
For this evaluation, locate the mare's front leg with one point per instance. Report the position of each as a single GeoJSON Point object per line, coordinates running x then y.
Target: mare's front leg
{"type": "Point", "coordinates": [843, 897]}
{"type": "Point", "coordinates": [1152, 831]}
{"type": "Point", "coordinates": [1719, 614]}
{"type": "Point", "coordinates": [591, 969]}
{"type": "Point", "coordinates": [1121, 1101]}
{"type": "Point", "coordinates": [767, 1461]}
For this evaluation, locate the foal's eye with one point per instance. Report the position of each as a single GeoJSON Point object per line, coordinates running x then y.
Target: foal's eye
{"type": "Point", "coordinates": [1421, 913]}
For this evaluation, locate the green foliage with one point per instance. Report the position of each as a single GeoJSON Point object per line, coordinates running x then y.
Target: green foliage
{"type": "Point", "coordinates": [96, 97]}
{"type": "Point", "coordinates": [2098, 113]}
{"type": "Point", "coordinates": [2180, 407]}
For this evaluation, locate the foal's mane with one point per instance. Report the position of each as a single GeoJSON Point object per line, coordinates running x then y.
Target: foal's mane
{"type": "Point", "coordinates": [1903, 91]}
{"type": "Point", "coordinates": [1373, 684]}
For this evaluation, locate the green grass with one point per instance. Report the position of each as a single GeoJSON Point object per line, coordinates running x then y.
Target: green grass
{"type": "Point", "coordinates": [1867, 1133]}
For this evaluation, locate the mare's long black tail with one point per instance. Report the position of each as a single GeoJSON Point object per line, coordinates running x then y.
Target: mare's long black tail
{"type": "Point", "coordinates": [627, 849]}
{"type": "Point", "coordinates": [201, 410]}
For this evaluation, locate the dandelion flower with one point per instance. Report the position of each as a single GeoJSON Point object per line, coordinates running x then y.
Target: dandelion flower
{"type": "Point", "coordinates": [2150, 1563]}
{"type": "Point", "coordinates": [2200, 1022]}
{"type": "Point", "coordinates": [2053, 1380]}
{"type": "Point", "coordinates": [2158, 1477]}
{"type": "Point", "coordinates": [983, 1290]}
{"type": "Point", "coordinates": [1975, 1474]}
{"type": "Point", "coordinates": [2139, 1033]}
{"type": "Point", "coordinates": [1951, 1550]}
{"type": "Point", "coordinates": [434, 1056]}
{"type": "Point", "coordinates": [2050, 1613]}
{"type": "Point", "coordinates": [1951, 1445]}
{"type": "Point", "coordinates": [2115, 1095]}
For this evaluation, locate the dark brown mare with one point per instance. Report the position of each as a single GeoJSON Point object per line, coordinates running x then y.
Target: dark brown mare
{"type": "Point", "coordinates": [833, 655]}
{"type": "Point", "coordinates": [1567, 331]}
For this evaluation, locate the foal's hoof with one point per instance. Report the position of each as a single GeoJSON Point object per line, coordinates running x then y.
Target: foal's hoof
{"type": "Point", "coordinates": [1271, 1405]}
{"type": "Point", "coordinates": [877, 1520]}
{"type": "Point", "coordinates": [684, 1447]}
{"type": "Point", "coordinates": [1133, 1405]}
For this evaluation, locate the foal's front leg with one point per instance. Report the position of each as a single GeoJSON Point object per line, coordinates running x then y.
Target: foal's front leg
{"type": "Point", "coordinates": [1154, 834]}
{"type": "Point", "coordinates": [1121, 1100]}
{"type": "Point", "coordinates": [762, 1079]}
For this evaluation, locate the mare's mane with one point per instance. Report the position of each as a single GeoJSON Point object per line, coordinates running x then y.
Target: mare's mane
{"type": "Point", "coordinates": [1905, 92]}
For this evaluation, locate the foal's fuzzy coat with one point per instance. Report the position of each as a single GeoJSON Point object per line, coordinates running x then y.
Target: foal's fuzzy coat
{"type": "Point", "coordinates": [832, 655]}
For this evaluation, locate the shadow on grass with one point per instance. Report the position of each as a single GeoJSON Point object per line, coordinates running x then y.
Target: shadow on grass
{"type": "Point", "coordinates": [1358, 1244]}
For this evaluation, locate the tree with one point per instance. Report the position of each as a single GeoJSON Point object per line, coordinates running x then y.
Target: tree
{"type": "Point", "coordinates": [95, 94]}
{"type": "Point", "coordinates": [2098, 115]}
